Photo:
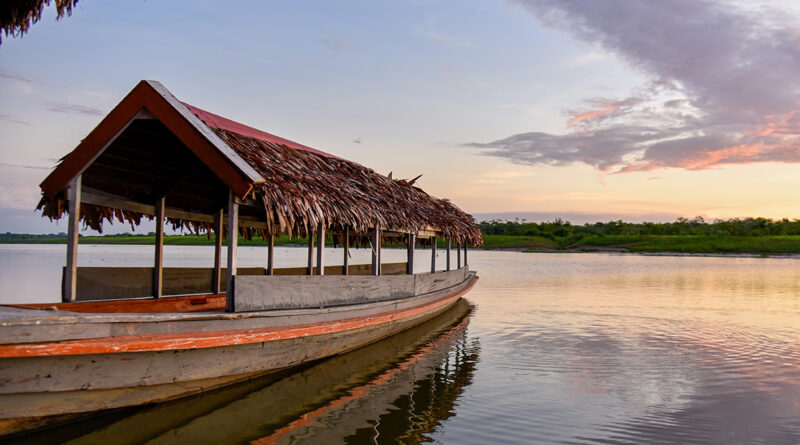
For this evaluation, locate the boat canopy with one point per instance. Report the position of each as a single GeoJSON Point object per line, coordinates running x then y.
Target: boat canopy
{"type": "Point", "coordinates": [153, 150]}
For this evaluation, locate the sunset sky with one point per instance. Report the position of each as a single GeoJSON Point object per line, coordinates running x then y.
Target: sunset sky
{"type": "Point", "coordinates": [585, 110]}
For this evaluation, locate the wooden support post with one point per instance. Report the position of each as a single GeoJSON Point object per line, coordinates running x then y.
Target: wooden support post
{"type": "Point", "coordinates": [310, 267]}
{"type": "Point", "coordinates": [158, 267]}
{"type": "Point", "coordinates": [380, 258]}
{"type": "Point", "coordinates": [458, 255]}
{"type": "Point", "coordinates": [434, 241]}
{"type": "Point", "coordinates": [448, 253]}
{"type": "Point", "coordinates": [320, 249]}
{"type": "Point", "coordinates": [376, 239]}
{"type": "Point", "coordinates": [466, 263]}
{"type": "Point", "coordinates": [219, 226]}
{"type": "Point", "coordinates": [346, 245]}
{"type": "Point", "coordinates": [412, 241]}
{"type": "Point", "coordinates": [233, 244]}
{"type": "Point", "coordinates": [270, 254]}
{"type": "Point", "coordinates": [69, 291]}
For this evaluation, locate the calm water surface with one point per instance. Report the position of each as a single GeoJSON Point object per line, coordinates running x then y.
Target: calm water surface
{"type": "Point", "coordinates": [559, 348]}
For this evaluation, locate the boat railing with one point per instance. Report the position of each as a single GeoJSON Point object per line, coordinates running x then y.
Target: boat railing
{"type": "Point", "coordinates": [270, 292]}
{"type": "Point", "coordinates": [104, 283]}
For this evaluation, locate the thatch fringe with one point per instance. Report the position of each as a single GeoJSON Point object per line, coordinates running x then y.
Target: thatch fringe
{"type": "Point", "coordinates": [304, 189]}
{"type": "Point", "coordinates": [17, 16]}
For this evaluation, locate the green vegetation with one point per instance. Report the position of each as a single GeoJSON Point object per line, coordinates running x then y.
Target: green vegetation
{"type": "Point", "coordinates": [749, 235]}
{"type": "Point", "coordinates": [758, 236]}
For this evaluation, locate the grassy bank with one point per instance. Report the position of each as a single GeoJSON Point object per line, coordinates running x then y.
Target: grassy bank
{"type": "Point", "coordinates": [757, 245]}
{"type": "Point", "coordinates": [778, 244]}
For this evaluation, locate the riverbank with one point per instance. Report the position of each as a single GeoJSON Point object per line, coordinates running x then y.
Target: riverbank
{"type": "Point", "coordinates": [666, 244]}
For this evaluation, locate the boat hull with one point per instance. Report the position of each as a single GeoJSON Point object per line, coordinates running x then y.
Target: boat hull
{"type": "Point", "coordinates": [45, 382]}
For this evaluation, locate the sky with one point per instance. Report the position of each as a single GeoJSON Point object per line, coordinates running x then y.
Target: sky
{"type": "Point", "coordinates": [540, 109]}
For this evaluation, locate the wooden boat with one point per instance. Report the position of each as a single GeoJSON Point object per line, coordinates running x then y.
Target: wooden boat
{"type": "Point", "coordinates": [129, 336]}
{"type": "Point", "coordinates": [354, 388]}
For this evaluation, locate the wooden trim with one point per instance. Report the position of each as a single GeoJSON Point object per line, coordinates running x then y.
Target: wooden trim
{"type": "Point", "coordinates": [69, 290]}
{"type": "Point", "coordinates": [158, 267]}
{"type": "Point", "coordinates": [162, 105]}
{"type": "Point", "coordinates": [233, 244]}
{"type": "Point", "coordinates": [99, 198]}
{"type": "Point", "coordinates": [203, 129]}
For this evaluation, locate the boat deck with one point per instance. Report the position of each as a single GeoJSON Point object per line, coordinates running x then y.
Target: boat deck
{"type": "Point", "coordinates": [182, 304]}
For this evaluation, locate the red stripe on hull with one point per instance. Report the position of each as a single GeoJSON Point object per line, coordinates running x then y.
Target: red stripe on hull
{"type": "Point", "coordinates": [167, 342]}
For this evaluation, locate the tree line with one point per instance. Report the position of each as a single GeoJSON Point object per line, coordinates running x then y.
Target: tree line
{"type": "Point", "coordinates": [682, 226]}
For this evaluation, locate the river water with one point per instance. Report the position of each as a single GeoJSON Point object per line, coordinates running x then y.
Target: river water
{"type": "Point", "coordinates": [548, 348]}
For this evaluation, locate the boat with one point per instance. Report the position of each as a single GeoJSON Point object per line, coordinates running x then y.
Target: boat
{"type": "Point", "coordinates": [128, 336]}
{"type": "Point", "coordinates": [431, 362]}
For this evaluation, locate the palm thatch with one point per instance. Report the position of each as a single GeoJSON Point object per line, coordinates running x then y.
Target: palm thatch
{"type": "Point", "coordinates": [17, 16]}
{"type": "Point", "coordinates": [306, 189]}
{"type": "Point", "coordinates": [302, 189]}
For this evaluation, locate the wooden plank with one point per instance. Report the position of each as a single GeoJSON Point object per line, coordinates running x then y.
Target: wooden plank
{"type": "Point", "coordinates": [216, 285]}
{"type": "Point", "coordinates": [70, 282]}
{"type": "Point", "coordinates": [221, 147]}
{"type": "Point", "coordinates": [410, 243]}
{"type": "Point", "coordinates": [233, 241]}
{"type": "Point", "coordinates": [99, 198]}
{"type": "Point", "coordinates": [158, 267]}
{"type": "Point", "coordinates": [162, 105]}
{"type": "Point", "coordinates": [270, 254]}
{"type": "Point", "coordinates": [431, 282]}
{"type": "Point", "coordinates": [112, 125]}
{"type": "Point", "coordinates": [258, 293]}
{"type": "Point", "coordinates": [448, 253]}
{"type": "Point", "coordinates": [346, 246]}
{"type": "Point", "coordinates": [321, 249]}
{"type": "Point", "coordinates": [111, 283]}
{"type": "Point", "coordinates": [433, 254]}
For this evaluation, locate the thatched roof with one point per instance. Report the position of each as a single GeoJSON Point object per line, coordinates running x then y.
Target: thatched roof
{"type": "Point", "coordinates": [288, 187]}
{"type": "Point", "coordinates": [16, 16]}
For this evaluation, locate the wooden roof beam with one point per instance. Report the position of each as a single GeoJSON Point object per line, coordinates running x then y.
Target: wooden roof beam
{"type": "Point", "coordinates": [149, 99]}
{"type": "Point", "coordinates": [102, 199]}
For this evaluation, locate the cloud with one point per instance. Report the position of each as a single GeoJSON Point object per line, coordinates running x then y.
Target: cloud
{"type": "Point", "coordinates": [61, 107]}
{"type": "Point", "coordinates": [334, 42]}
{"type": "Point", "coordinates": [34, 167]}
{"type": "Point", "coordinates": [723, 88]}
{"type": "Point", "coordinates": [6, 74]}
{"type": "Point", "coordinates": [9, 118]}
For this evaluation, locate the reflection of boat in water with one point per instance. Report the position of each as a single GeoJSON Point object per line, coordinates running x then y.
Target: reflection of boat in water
{"type": "Point", "coordinates": [130, 336]}
{"type": "Point", "coordinates": [333, 401]}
